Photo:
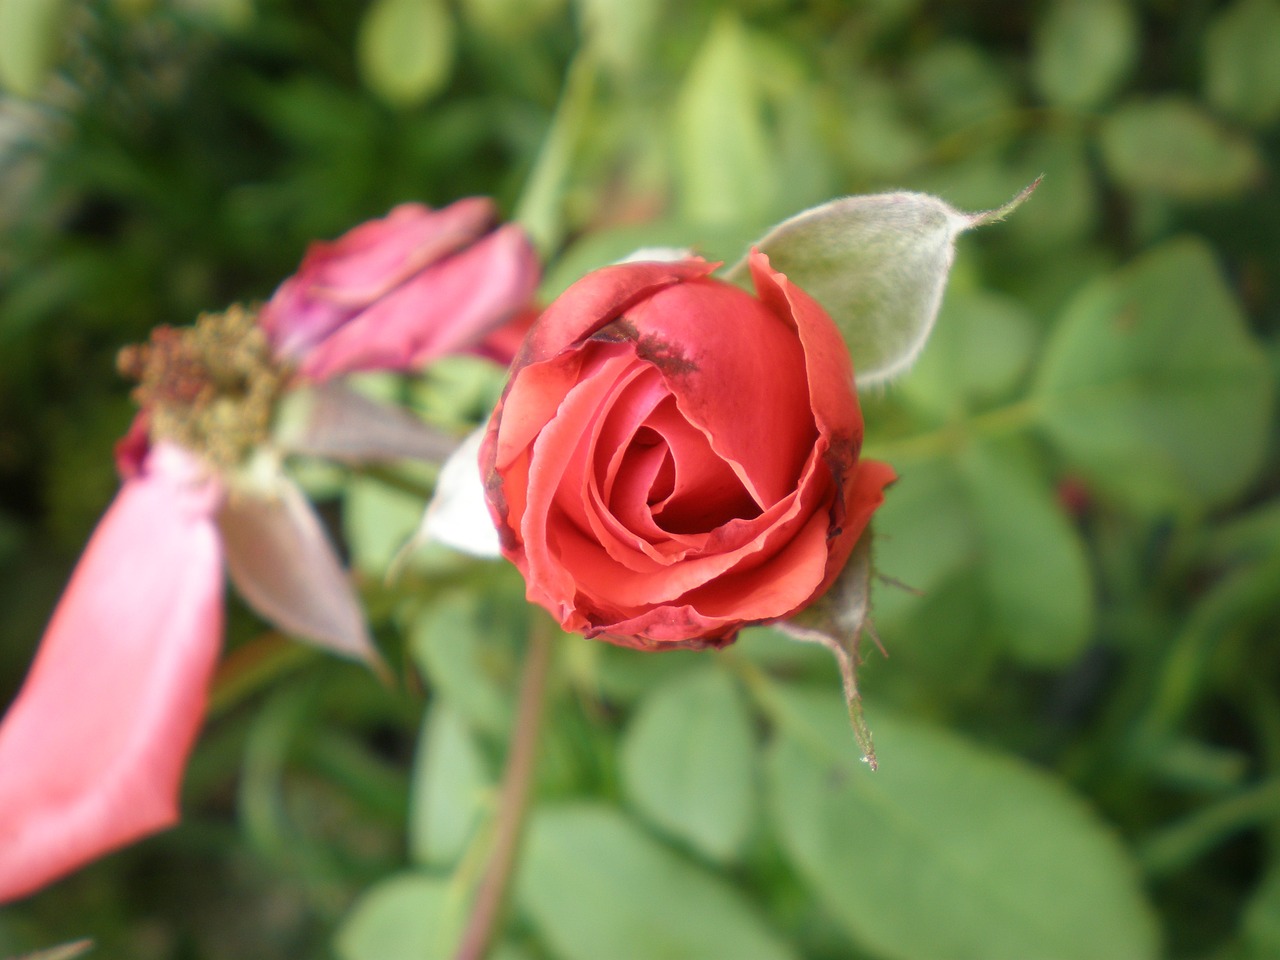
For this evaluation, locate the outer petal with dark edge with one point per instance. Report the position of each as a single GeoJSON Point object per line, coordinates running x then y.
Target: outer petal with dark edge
{"type": "Point", "coordinates": [93, 749]}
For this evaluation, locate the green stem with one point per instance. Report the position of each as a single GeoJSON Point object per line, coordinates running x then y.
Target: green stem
{"type": "Point", "coordinates": [1181, 844]}
{"type": "Point", "coordinates": [1010, 418]}
{"type": "Point", "coordinates": [514, 798]}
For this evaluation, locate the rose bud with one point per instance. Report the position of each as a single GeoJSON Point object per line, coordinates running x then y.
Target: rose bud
{"type": "Point", "coordinates": [674, 459]}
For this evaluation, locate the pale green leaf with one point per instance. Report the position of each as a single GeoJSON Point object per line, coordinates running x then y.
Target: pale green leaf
{"type": "Point", "coordinates": [452, 642]}
{"type": "Point", "coordinates": [1242, 61]}
{"type": "Point", "coordinates": [1153, 384]}
{"type": "Point", "coordinates": [406, 917]}
{"type": "Point", "coordinates": [996, 562]}
{"type": "Point", "coordinates": [30, 31]}
{"type": "Point", "coordinates": [596, 886]}
{"type": "Point", "coordinates": [1083, 50]}
{"type": "Point", "coordinates": [510, 20]}
{"type": "Point", "coordinates": [980, 349]}
{"type": "Point", "coordinates": [949, 850]}
{"type": "Point", "coordinates": [1172, 147]}
{"type": "Point", "coordinates": [377, 521]}
{"type": "Point", "coordinates": [726, 167]}
{"type": "Point", "coordinates": [620, 32]}
{"type": "Point", "coordinates": [405, 49]}
{"type": "Point", "coordinates": [449, 787]}
{"type": "Point", "coordinates": [1035, 573]}
{"type": "Point", "coordinates": [688, 761]}
{"type": "Point", "coordinates": [878, 264]}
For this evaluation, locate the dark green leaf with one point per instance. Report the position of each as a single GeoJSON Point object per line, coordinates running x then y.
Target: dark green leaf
{"type": "Point", "coordinates": [1242, 61]}
{"type": "Point", "coordinates": [1084, 49]}
{"type": "Point", "coordinates": [1152, 382]}
{"type": "Point", "coordinates": [1172, 147]}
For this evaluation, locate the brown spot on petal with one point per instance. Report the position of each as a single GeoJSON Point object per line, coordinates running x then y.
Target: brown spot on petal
{"type": "Point", "coordinates": [668, 357]}
{"type": "Point", "coordinates": [621, 330]}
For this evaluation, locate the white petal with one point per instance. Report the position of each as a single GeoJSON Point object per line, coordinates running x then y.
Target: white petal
{"type": "Point", "coordinates": [458, 514]}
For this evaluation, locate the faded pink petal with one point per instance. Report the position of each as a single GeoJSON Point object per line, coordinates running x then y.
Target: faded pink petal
{"type": "Point", "coordinates": [338, 279]}
{"type": "Point", "coordinates": [283, 564]}
{"type": "Point", "coordinates": [336, 423]}
{"type": "Point", "coordinates": [447, 307]}
{"type": "Point", "coordinates": [93, 748]}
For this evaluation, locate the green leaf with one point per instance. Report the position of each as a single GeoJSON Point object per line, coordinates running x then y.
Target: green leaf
{"type": "Point", "coordinates": [449, 786]}
{"type": "Point", "coordinates": [1083, 50]}
{"type": "Point", "coordinates": [1172, 147]}
{"type": "Point", "coordinates": [620, 31]}
{"type": "Point", "coordinates": [596, 886]}
{"type": "Point", "coordinates": [1152, 383]}
{"type": "Point", "coordinates": [1035, 573]}
{"type": "Point", "coordinates": [452, 642]}
{"type": "Point", "coordinates": [406, 917]}
{"type": "Point", "coordinates": [878, 264]}
{"type": "Point", "coordinates": [541, 207]}
{"type": "Point", "coordinates": [1242, 61]}
{"type": "Point", "coordinates": [1261, 926]}
{"type": "Point", "coordinates": [377, 521]}
{"type": "Point", "coordinates": [30, 31]}
{"type": "Point", "coordinates": [949, 850]}
{"type": "Point", "coordinates": [688, 761]}
{"type": "Point", "coordinates": [405, 49]}
{"type": "Point", "coordinates": [727, 171]}
{"type": "Point", "coordinates": [980, 350]}
{"type": "Point", "coordinates": [993, 556]}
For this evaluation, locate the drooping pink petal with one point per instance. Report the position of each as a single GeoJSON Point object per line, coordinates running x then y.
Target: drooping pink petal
{"type": "Point", "coordinates": [447, 307]}
{"type": "Point", "coordinates": [93, 748]}
{"type": "Point", "coordinates": [336, 423]}
{"type": "Point", "coordinates": [285, 567]}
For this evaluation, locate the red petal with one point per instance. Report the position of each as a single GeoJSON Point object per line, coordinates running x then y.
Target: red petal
{"type": "Point", "coordinates": [600, 298]}
{"type": "Point", "coordinates": [94, 746]}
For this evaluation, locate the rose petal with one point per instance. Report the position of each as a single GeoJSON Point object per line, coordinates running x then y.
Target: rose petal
{"type": "Point", "coordinates": [283, 564]}
{"type": "Point", "coordinates": [762, 432]}
{"type": "Point", "coordinates": [93, 748]}
{"type": "Point", "coordinates": [332, 421]}
{"type": "Point", "coordinates": [600, 298]}
{"type": "Point", "coordinates": [336, 279]}
{"type": "Point", "coordinates": [446, 307]}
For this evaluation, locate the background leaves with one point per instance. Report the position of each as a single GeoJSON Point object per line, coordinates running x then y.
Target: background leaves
{"type": "Point", "coordinates": [1086, 680]}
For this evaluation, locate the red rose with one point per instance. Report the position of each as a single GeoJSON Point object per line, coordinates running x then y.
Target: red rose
{"type": "Point", "coordinates": [674, 459]}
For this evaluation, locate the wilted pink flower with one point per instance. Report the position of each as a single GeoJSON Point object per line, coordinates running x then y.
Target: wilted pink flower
{"type": "Point", "coordinates": [93, 748]}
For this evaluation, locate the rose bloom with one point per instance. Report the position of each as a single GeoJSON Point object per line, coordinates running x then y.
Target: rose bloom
{"type": "Point", "coordinates": [674, 459]}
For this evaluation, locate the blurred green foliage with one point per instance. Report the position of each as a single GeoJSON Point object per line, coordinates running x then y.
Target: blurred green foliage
{"type": "Point", "coordinates": [1079, 721]}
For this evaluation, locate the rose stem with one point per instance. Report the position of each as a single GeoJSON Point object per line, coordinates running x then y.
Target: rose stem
{"type": "Point", "coordinates": [513, 800]}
